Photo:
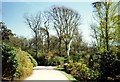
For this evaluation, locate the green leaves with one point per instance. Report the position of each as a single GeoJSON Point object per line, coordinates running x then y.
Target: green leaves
{"type": "Point", "coordinates": [81, 71]}
{"type": "Point", "coordinates": [9, 61]}
{"type": "Point", "coordinates": [33, 61]}
{"type": "Point", "coordinates": [6, 33]}
{"type": "Point", "coordinates": [105, 31]}
{"type": "Point", "coordinates": [109, 65]}
{"type": "Point", "coordinates": [16, 63]}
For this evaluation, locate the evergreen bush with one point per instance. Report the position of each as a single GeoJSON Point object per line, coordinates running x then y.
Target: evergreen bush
{"type": "Point", "coordinates": [9, 62]}
{"type": "Point", "coordinates": [81, 71]}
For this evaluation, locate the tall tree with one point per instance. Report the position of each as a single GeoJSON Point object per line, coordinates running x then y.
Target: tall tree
{"type": "Point", "coordinates": [105, 32]}
{"type": "Point", "coordinates": [105, 15]}
{"type": "Point", "coordinates": [34, 23]}
{"type": "Point", "coordinates": [66, 22]}
{"type": "Point", "coordinates": [46, 28]}
{"type": "Point", "coordinates": [57, 24]}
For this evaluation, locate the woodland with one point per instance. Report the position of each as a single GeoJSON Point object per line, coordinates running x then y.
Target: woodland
{"type": "Point", "coordinates": [98, 62]}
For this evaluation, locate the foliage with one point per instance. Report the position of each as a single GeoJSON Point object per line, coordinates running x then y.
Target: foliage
{"type": "Point", "coordinates": [109, 65]}
{"type": "Point", "coordinates": [105, 29]}
{"type": "Point", "coordinates": [25, 65]}
{"type": "Point", "coordinates": [6, 33]}
{"type": "Point", "coordinates": [75, 57]}
{"type": "Point", "coordinates": [44, 59]}
{"type": "Point", "coordinates": [48, 55]}
{"type": "Point", "coordinates": [33, 61]}
{"type": "Point", "coordinates": [106, 34]}
{"type": "Point", "coordinates": [32, 53]}
{"type": "Point", "coordinates": [100, 61]}
{"type": "Point", "coordinates": [41, 59]}
{"type": "Point", "coordinates": [18, 42]}
{"type": "Point", "coordinates": [56, 60]}
{"type": "Point", "coordinates": [9, 62]}
{"type": "Point", "coordinates": [50, 59]}
{"type": "Point", "coordinates": [81, 71]}
{"type": "Point", "coordinates": [16, 64]}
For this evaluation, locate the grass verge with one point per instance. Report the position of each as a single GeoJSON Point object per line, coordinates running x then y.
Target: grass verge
{"type": "Point", "coordinates": [69, 76]}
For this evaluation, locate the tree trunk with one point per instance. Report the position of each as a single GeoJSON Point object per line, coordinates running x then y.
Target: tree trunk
{"type": "Point", "coordinates": [48, 41]}
{"type": "Point", "coordinates": [36, 44]}
{"type": "Point", "coordinates": [68, 49]}
{"type": "Point", "coordinates": [106, 28]}
{"type": "Point", "coordinates": [42, 46]}
{"type": "Point", "coordinates": [59, 46]}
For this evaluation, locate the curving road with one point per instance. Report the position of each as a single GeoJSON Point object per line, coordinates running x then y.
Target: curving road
{"type": "Point", "coordinates": [46, 73]}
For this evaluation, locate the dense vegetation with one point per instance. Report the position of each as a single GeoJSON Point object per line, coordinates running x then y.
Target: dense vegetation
{"type": "Point", "coordinates": [81, 71]}
{"type": "Point", "coordinates": [9, 62]}
{"type": "Point", "coordinates": [16, 64]}
{"type": "Point", "coordinates": [25, 65]}
{"type": "Point", "coordinates": [99, 61]}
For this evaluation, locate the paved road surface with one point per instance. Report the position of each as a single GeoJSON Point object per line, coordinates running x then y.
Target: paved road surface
{"type": "Point", "coordinates": [46, 73]}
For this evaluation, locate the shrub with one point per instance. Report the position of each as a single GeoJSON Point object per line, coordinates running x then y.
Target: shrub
{"type": "Point", "coordinates": [32, 52]}
{"type": "Point", "coordinates": [109, 65]}
{"type": "Point", "coordinates": [75, 57]}
{"type": "Point", "coordinates": [48, 55]}
{"type": "Point", "coordinates": [45, 59]}
{"type": "Point", "coordinates": [56, 60]}
{"type": "Point", "coordinates": [49, 59]}
{"type": "Point", "coordinates": [81, 71]}
{"type": "Point", "coordinates": [9, 62]}
{"type": "Point", "coordinates": [41, 59]}
{"type": "Point", "coordinates": [16, 64]}
{"type": "Point", "coordinates": [33, 61]}
{"type": "Point", "coordinates": [25, 66]}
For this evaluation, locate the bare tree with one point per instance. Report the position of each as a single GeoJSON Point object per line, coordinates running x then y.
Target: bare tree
{"type": "Point", "coordinates": [34, 23]}
{"type": "Point", "coordinates": [66, 22]}
{"type": "Point", "coordinates": [45, 28]}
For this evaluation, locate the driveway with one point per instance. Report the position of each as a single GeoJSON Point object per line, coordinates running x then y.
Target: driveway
{"type": "Point", "coordinates": [46, 73]}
